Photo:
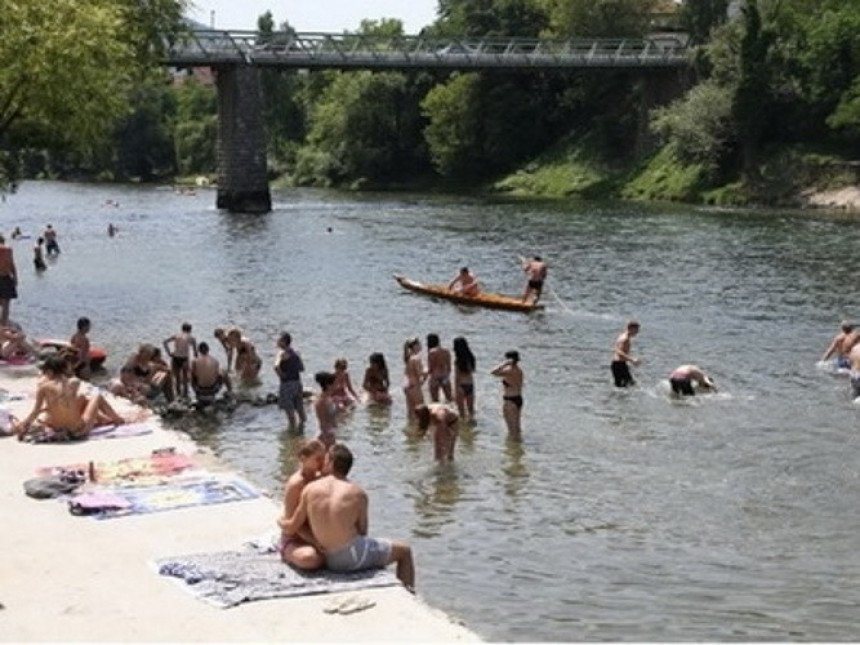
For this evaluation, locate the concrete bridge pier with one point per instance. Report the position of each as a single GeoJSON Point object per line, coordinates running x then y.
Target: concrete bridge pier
{"type": "Point", "coordinates": [243, 182]}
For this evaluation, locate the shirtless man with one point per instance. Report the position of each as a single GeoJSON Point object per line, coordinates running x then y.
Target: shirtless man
{"type": "Point", "coordinates": [81, 345]}
{"type": "Point", "coordinates": [621, 356]}
{"type": "Point", "coordinates": [465, 282]}
{"type": "Point", "coordinates": [840, 345]}
{"type": "Point", "coordinates": [13, 343]}
{"type": "Point", "coordinates": [854, 364]}
{"type": "Point", "coordinates": [438, 369]}
{"type": "Point", "coordinates": [50, 236]}
{"type": "Point", "coordinates": [536, 270]}
{"type": "Point", "coordinates": [180, 357]}
{"type": "Point", "coordinates": [684, 376]}
{"type": "Point", "coordinates": [300, 549]}
{"type": "Point", "coordinates": [207, 378]}
{"type": "Point", "coordinates": [445, 431]}
{"type": "Point", "coordinates": [63, 407]}
{"type": "Point", "coordinates": [8, 281]}
{"type": "Point", "coordinates": [336, 510]}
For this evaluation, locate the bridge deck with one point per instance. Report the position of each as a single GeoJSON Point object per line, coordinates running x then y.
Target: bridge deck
{"type": "Point", "coordinates": [350, 51]}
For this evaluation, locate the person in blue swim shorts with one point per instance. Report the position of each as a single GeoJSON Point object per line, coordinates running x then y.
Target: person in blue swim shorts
{"type": "Point", "coordinates": [335, 508]}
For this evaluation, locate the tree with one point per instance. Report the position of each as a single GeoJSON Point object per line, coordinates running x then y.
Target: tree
{"type": "Point", "coordinates": [699, 17]}
{"type": "Point", "coordinates": [599, 18]}
{"type": "Point", "coordinates": [66, 67]}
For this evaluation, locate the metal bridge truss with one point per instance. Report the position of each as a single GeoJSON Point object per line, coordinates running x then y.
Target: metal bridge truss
{"type": "Point", "coordinates": [214, 48]}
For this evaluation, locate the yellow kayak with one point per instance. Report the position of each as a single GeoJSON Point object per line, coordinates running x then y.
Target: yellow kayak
{"type": "Point", "coordinates": [483, 299]}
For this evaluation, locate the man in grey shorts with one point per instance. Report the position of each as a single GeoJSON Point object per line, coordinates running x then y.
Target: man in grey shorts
{"type": "Point", "coordinates": [289, 368]}
{"type": "Point", "coordinates": [336, 510]}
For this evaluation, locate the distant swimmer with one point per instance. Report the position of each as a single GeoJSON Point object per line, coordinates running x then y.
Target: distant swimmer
{"type": "Point", "coordinates": [17, 234]}
{"type": "Point", "coordinates": [112, 230]}
{"type": "Point", "coordinates": [52, 247]}
{"type": "Point", "coordinates": [684, 377]}
{"type": "Point", "coordinates": [536, 270]}
{"type": "Point", "coordinates": [840, 346]}
{"type": "Point", "coordinates": [39, 255]}
{"type": "Point", "coordinates": [465, 282]}
{"type": "Point", "coordinates": [621, 356]}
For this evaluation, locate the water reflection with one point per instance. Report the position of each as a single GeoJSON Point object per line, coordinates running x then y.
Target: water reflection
{"type": "Point", "coordinates": [514, 468]}
{"type": "Point", "coordinates": [435, 498]}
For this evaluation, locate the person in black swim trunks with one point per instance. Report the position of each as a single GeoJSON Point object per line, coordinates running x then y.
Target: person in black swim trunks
{"type": "Point", "coordinates": [512, 400]}
{"type": "Point", "coordinates": [536, 270]}
{"type": "Point", "coordinates": [621, 356]}
{"type": "Point", "coordinates": [684, 377]}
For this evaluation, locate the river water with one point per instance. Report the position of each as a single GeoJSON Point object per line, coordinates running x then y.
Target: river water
{"type": "Point", "coordinates": [623, 515]}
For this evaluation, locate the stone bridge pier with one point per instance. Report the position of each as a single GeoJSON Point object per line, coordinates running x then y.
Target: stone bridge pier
{"type": "Point", "coordinates": [243, 182]}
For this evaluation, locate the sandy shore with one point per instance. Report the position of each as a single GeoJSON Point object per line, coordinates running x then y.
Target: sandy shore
{"type": "Point", "coordinates": [847, 198]}
{"type": "Point", "coordinates": [68, 578]}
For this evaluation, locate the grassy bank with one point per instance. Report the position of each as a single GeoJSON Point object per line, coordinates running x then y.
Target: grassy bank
{"type": "Point", "coordinates": [787, 177]}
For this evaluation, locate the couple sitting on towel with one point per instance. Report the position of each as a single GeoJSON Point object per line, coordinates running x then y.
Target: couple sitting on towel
{"type": "Point", "coordinates": [64, 410]}
{"type": "Point", "coordinates": [325, 518]}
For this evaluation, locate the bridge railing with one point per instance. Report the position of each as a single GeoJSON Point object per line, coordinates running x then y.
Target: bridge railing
{"type": "Point", "coordinates": [322, 50]}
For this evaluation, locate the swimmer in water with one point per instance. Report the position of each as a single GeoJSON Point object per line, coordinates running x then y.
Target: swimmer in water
{"type": "Point", "coordinates": [684, 377]}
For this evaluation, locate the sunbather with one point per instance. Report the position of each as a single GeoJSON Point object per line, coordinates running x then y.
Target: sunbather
{"type": "Point", "coordinates": [61, 407]}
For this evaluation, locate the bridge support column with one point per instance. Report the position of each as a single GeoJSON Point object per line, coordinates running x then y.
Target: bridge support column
{"type": "Point", "coordinates": [243, 182]}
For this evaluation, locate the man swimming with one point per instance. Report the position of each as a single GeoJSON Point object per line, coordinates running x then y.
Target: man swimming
{"type": "Point", "coordinates": [840, 345]}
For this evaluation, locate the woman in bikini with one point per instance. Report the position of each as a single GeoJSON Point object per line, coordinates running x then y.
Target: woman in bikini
{"type": "Point", "coordinates": [512, 399]}
{"type": "Point", "coordinates": [248, 362]}
{"type": "Point", "coordinates": [415, 375]}
{"type": "Point", "coordinates": [342, 391]}
{"type": "Point", "coordinates": [376, 380]}
{"type": "Point", "coordinates": [62, 407]}
{"type": "Point", "coordinates": [444, 421]}
{"type": "Point", "coordinates": [464, 379]}
{"type": "Point", "coordinates": [326, 408]}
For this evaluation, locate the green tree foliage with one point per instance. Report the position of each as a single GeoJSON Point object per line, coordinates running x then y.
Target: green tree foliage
{"type": "Point", "coordinates": [195, 129]}
{"type": "Point", "coordinates": [66, 68]}
{"type": "Point", "coordinates": [489, 18]}
{"type": "Point", "coordinates": [699, 17]}
{"type": "Point", "coordinates": [455, 133]}
{"type": "Point", "coordinates": [599, 18]}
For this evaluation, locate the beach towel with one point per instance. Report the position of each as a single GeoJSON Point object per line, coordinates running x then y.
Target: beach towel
{"type": "Point", "coordinates": [118, 432]}
{"type": "Point", "coordinates": [182, 494]}
{"type": "Point", "coordinates": [17, 361]}
{"type": "Point", "coordinates": [228, 578]}
{"type": "Point", "coordinates": [157, 468]}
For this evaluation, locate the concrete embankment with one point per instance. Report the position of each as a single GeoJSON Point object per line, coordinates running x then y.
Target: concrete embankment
{"type": "Point", "coordinates": [68, 578]}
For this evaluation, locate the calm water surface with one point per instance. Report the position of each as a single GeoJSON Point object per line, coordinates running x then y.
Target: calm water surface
{"type": "Point", "coordinates": [624, 515]}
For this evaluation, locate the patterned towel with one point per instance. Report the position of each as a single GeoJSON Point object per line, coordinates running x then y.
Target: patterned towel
{"type": "Point", "coordinates": [229, 578]}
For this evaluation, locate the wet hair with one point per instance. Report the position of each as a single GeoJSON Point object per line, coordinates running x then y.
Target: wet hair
{"type": "Point", "coordinates": [464, 359]}
{"type": "Point", "coordinates": [341, 459]}
{"type": "Point", "coordinates": [376, 358]}
{"type": "Point", "coordinates": [41, 240]}
{"type": "Point", "coordinates": [55, 363]}
{"type": "Point", "coordinates": [203, 348]}
{"type": "Point", "coordinates": [340, 364]}
{"type": "Point", "coordinates": [422, 413]}
{"type": "Point", "coordinates": [432, 341]}
{"type": "Point", "coordinates": [286, 338]}
{"type": "Point", "coordinates": [186, 326]}
{"type": "Point", "coordinates": [311, 447]}
{"type": "Point", "coordinates": [538, 258]}
{"type": "Point", "coordinates": [150, 350]}
{"type": "Point", "coordinates": [513, 355]}
{"type": "Point", "coordinates": [219, 332]}
{"type": "Point", "coordinates": [464, 269]}
{"type": "Point", "coordinates": [408, 345]}
{"type": "Point", "coordinates": [83, 323]}
{"type": "Point", "coordinates": [847, 327]}
{"type": "Point", "coordinates": [324, 379]}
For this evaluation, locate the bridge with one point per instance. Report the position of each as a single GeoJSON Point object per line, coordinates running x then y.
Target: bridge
{"type": "Point", "coordinates": [285, 50]}
{"type": "Point", "coordinates": [237, 57]}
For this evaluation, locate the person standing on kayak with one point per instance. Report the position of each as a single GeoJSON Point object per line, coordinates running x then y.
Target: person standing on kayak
{"type": "Point", "coordinates": [465, 282]}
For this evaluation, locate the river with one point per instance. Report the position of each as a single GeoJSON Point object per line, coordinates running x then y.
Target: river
{"type": "Point", "coordinates": [623, 515]}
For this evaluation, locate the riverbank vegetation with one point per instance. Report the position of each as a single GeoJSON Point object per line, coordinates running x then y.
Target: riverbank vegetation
{"type": "Point", "coordinates": [769, 111]}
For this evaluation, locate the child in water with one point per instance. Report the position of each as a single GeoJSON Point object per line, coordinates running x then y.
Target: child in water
{"type": "Point", "coordinates": [39, 256]}
{"type": "Point", "coordinates": [342, 391]}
